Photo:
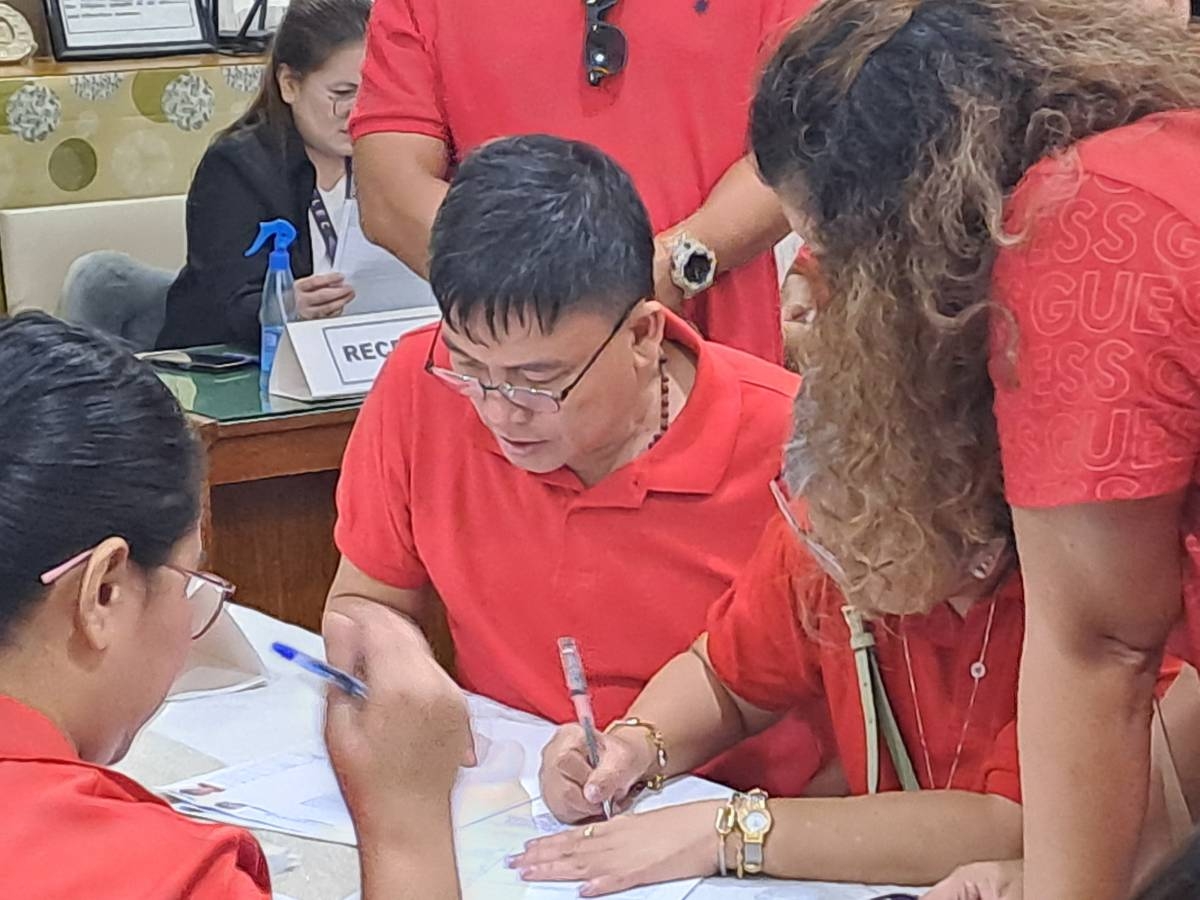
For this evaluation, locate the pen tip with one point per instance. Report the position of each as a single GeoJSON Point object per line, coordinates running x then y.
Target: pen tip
{"type": "Point", "coordinates": [283, 650]}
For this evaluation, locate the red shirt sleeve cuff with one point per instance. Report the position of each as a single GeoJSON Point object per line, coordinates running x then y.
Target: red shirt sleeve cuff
{"type": "Point", "coordinates": [360, 127]}
{"type": "Point", "coordinates": [402, 577]}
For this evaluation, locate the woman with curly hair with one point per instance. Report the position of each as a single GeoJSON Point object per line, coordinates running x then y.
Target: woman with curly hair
{"type": "Point", "coordinates": [985, 182]}
{"type": "Point", "coordinates": [1010, 182]}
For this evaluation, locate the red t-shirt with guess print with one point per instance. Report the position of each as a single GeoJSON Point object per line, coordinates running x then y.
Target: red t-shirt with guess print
{"type": "Point", "coordinates": [1098, 391]}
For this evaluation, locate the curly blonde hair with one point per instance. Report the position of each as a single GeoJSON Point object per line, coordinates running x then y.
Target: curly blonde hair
{"type": "Point", "coordinates": [898, 128]}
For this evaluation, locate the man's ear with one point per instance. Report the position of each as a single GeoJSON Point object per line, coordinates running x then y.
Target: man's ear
{"type": "Point", "coordinates": [648, 323]}
{"type": "Point", "coordinates": [103, 588]}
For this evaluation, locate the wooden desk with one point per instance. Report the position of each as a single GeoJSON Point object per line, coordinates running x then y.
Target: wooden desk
{"type": "Point", "coordinates": [269, 496]}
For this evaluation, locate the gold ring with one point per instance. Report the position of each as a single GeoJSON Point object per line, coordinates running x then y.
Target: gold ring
{"type": "Point", "coordinates": [589, 831]}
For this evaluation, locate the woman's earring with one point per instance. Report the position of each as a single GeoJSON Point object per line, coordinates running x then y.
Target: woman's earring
{"type": "Point", "coordinates": [984, 564]}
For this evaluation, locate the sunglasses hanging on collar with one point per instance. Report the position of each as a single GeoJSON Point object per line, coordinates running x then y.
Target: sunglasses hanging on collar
{"type": "Point", "coordinates": [605, 47]}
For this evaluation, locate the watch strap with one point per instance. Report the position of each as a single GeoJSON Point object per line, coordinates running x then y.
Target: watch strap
{"type": "Point", "coordinates": [752, 858]}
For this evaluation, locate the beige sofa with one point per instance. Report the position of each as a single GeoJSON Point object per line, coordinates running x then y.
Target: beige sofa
{"type": "Point", "coordinates": [38, 245]}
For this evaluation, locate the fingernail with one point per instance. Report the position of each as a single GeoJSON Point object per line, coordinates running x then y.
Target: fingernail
{"type": "Point", "coordinates": [587, 891]}
{"type": "Point", "coordinates": [510, 861]}
{"type": "Point", "coordinates": [591, 793]}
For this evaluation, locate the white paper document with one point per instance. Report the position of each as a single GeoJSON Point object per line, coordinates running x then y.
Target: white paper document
{"type": "Point", "coordinates": [294, 792]}
{"type": "Point", "coordinates": [484, 846]}
{"type": "Point", "coordinates": [381, 282]}
{"type": "Point", "coordinates": [222, 661]}
{"type": "Point", "coordinates": [244, 726]}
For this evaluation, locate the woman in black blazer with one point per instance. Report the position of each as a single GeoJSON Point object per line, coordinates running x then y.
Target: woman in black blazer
{"type": "Point", "coordinates": [286, 158]}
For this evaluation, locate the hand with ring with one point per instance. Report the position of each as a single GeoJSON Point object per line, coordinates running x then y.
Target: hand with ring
{"type": "Point", "coordinates": [573, 790]}
{"type": "Point", "coordinates": [668, 844]}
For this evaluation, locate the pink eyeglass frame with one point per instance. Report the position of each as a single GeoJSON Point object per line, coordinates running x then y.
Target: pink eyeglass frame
{"type": "Point", "coordinates": [226, 588]}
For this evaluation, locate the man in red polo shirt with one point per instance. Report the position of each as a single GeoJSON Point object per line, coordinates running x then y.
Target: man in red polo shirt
{"type": "Point", "coordinates": [562, 456]}
{"type": "Point", "coordinates": [443, 77]}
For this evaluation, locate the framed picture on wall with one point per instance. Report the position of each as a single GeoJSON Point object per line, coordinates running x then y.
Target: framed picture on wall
{"type": "Point", "coordinates": [116, 29]}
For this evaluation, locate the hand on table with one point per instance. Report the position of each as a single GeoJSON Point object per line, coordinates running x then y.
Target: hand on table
{"type": "Point", "coordinates": [322, 296]}
{"type": "Point", "coordinates": [573, 790]}
{"type": "Point", "coordinates": [982, 881]}
{"type": "Point", "coordinates": [401, 748]}
{"type": "Point", "coordinates": [665, 845]}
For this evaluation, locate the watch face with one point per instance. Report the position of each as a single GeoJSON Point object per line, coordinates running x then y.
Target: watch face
{"type": "Point", "coordinates": [697, 269]}
{"type": "Point", "coordinates": [756, 821]}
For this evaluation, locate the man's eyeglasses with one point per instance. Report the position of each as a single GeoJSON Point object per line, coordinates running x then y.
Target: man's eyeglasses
{"type": "Point", "coordinates": [533, 399]}
{"type": "Point", "coordinates": [206, 593]}
{"type": "Point", "coordinates": [605, 47]}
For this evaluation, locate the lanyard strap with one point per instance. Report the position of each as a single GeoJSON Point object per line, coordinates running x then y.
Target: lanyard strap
{"type": "Point", "coordinates": [876, 708]}
{"type": "Point", "coordinates": [320, 214]}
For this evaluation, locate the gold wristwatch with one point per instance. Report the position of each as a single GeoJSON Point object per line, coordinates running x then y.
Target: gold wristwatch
{"type": "Point", "coordinates": [754, 821]}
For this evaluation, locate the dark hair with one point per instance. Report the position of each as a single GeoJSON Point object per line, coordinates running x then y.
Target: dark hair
{"type": "Point", "coordinates": [94, 446]}
{"type": "Point", "coordinates": [537, 225]}
{"type": "Point", "coordinates": [310, 32]}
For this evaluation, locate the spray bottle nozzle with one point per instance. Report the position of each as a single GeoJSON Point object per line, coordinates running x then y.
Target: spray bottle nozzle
{"type": "Point", "coordinates": [284, 233]}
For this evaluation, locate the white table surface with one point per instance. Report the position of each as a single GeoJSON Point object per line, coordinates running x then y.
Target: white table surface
{"type": "Point", "coordinates": [189, 738]}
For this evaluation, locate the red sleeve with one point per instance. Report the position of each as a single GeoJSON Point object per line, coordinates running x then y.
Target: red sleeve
{"type": "Point", "coordinates": [374, 526]}
{"type": "Point", "coordinates": [1002, 773]}
{"type": "Point", "coordinates": [756, 642]}
{"type": "Point", "coordinates": [400, 84]}
{"type": "Point", "coordinates": [1098, 392]}
{"type": "Point", "coordinates": [237, 872]}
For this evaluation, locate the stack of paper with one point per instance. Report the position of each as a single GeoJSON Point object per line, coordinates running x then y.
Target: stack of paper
{"type": "Point", "coordinates": [293, 793]}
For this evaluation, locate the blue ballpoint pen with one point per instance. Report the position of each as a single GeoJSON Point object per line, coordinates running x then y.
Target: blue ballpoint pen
{"type": "Point", "coordinates": [335, 676]}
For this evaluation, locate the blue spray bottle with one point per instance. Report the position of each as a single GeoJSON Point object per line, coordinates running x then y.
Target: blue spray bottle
{"type": "Point", "coordinates": [278, 305]}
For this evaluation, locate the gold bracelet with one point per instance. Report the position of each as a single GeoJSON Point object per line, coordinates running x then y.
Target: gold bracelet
{"type": "Point", "coordinates": [654, 736]}
{"type": "Point", "coordinates": [726, 820]}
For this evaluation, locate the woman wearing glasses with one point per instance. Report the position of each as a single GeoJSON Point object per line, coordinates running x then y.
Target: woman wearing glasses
{"type": "Point", "coordinates": [287, 157]}
{"type": "Point", "coordinates": [100, 599]}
